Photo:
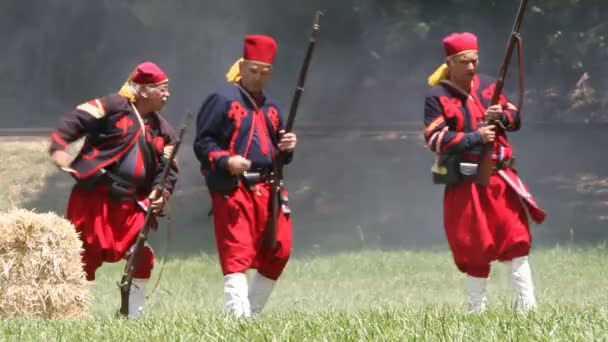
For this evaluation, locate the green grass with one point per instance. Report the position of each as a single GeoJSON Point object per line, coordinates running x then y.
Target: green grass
{"type": "Point", "coordinates": [375, 324]}
{"type": "Point", "coordinates": [367, 295]}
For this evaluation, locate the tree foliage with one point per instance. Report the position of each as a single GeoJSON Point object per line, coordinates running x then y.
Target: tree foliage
{"type": "Point", "coordinates": [58, 53]}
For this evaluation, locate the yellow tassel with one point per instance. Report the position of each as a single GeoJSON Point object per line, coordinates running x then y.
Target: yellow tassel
{"type": "Point", "coordinates": [439, 75]}
{"type": "Point", "coordinates": [125, 90]}
{"type": "Point", "coordinates": [234, 74]}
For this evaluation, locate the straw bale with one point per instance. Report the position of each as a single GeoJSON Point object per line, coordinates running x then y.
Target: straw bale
{"type": "Point", "coordinates": [41, 272]}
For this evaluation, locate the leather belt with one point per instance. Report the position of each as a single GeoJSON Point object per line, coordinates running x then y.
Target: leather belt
{"type": "Point", "coordinates": [257, 175]}
{"type": "Point", "coordinates": [503, 164]}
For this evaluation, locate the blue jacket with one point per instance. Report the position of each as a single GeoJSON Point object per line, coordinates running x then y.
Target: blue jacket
{"type": "Point", "coordinates": [231, 122]}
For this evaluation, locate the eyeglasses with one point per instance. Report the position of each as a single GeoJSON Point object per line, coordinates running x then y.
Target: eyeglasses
{"type": "Point", "coordinates": [163, 88]}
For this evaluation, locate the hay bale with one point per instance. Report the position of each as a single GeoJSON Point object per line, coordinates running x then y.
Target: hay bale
{"type": "Point", "coordinates": [41, 271]}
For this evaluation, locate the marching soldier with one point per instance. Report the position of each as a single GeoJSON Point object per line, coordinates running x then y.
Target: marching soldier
{"type": "Point", "coordinates": [239, 132]}
{"type": "Point", "coordinates": [482, 224]}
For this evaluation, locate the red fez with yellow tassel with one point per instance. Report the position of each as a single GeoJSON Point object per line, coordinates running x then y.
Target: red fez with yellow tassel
{"type": "Point", "coordinates": [259, 48]}
{"type": "Point", "coordinates": [148, 73]}
{"type": "Point", "coordinates": [454, 44]}
{"type": "Point", "coordinates": [256, 48]}
{"type": "Point", "coordinates": [457, 43]}
{"type": "Point", "coordinates": [145, 74]}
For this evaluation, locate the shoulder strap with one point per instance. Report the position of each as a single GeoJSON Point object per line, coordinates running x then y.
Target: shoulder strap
{"type": "Point", "coordinates": [148, 155]}
{"type": "Point", "coordinates": [249, 97]}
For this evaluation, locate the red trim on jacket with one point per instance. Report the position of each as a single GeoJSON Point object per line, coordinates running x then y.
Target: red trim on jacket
{"type": "Point", "coordinates": [111, 160]}
{"type": "Point", "coordinates": [55, 136]}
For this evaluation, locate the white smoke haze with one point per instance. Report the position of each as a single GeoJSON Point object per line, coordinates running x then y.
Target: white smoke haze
{"type": "Point", "coordinates": [349, 187]}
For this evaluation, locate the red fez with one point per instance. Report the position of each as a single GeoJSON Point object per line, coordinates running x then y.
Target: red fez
{"type": "Point", "coordinates": [259, 48]}
{"type": "Point", "coordinates": [457, 43]}
{"type": "Point", "coordinates": [148, 73]}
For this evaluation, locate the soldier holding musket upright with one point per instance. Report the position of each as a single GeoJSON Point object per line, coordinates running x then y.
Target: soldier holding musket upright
{"type": "Point", "coordinates": [239, 132]}
{"type": "Point", "coordinates": [488, 222]}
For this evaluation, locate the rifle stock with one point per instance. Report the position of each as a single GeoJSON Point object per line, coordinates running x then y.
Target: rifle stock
{"type": "Point", "coordinates": [270, 233]}
{"type": "Point", "coordinates": [142, 237]}
{"type": "Point", "coordinates": [485, 161]}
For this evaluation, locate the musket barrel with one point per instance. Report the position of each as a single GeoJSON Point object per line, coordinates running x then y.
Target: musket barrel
{"type": "Point", "coordinates": [126, 280]}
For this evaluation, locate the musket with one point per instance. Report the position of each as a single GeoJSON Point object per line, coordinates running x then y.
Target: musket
{"type": "Point", "coordinates": [142, 237]}
{"type": "Point", "coordinates": [270, 234]}
{"type": "Point", "coordinates": [485, 163]}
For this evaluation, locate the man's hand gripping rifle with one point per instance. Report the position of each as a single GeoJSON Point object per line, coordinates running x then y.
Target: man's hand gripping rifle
{"type": "Point", "coordinates": [485, 163]}
{"type": "Point", "coordinates": [270, 234]}
{"type": "Point", "coordinates": [142, 237]}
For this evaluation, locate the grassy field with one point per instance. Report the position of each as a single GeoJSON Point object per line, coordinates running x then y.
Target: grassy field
{"type": "Point", "coordinates": [365, 295]}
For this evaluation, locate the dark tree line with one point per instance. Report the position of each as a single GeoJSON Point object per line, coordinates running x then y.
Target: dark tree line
{"type": "Point", "coordinates": [58, 52]}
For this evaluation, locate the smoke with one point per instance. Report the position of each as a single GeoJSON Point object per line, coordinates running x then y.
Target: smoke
{"type": "Point", "coordinates": [348, 187]}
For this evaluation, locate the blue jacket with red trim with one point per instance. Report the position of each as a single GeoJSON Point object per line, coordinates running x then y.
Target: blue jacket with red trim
{"type": "Point", "coordinates": [231, 122]}
{"type": "Point", "coordinates": [114, 141]}
{"type": "Point", "coordinates": [452, 117]}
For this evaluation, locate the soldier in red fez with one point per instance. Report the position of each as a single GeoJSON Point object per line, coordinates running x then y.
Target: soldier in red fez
{"type": "Point", "coordinates": [482, 224]}
{"type": "Point", "coordinates": [238, 133]}
{"type": "Point", "coordinates": [118, 171]}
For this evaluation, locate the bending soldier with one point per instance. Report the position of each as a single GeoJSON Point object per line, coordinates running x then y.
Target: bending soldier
{"type": "Point", "coordinates": [117, 170]}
